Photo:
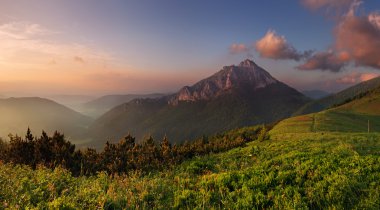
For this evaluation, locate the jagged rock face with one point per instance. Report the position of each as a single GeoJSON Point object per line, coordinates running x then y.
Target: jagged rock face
{"type": "Point", "coordinates": [246, 75]}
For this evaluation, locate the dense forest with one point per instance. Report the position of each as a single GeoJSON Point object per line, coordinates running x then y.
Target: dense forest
{"type": "Point", "coordinates": [116, 158]}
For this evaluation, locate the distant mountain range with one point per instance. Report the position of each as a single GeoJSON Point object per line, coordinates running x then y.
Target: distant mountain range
{"type": "Point", "coordinates": [235, 96]}
{"type": "Point", "coordinates": [97, 107]}
{"type": "Point", "coordinates": [17, 114]}
{"type": "Point", "coordinates": [315, 94]}
{"type": "Point", "coordinates": [74, 102]}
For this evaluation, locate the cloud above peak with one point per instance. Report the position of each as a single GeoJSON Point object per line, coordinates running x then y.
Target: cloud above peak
{"type": "Point", "coordinates": [277, 47]}
{"type": "Point", "coordinates": [238, 48]}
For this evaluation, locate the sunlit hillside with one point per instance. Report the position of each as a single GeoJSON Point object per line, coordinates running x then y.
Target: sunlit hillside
{"type": "Point", "coordinates": [360, 114]}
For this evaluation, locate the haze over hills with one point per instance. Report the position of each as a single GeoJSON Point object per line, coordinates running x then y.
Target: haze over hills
{"type": "Point", "coordinates": [74, 102]}
{"type": "Point", "coordinates": [339, 98]}
{"type": "Point", "coordinates": [17, 114]}
{"type": "Point", "coordinates": [97, 107]}
{"type": "Point", "coordinates": [235, 96]}
{"type": "Point", "coordinates": [315, 94]}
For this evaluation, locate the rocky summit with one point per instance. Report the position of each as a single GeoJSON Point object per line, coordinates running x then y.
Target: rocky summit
{"type": "Point", "coordinates": [246, 75]}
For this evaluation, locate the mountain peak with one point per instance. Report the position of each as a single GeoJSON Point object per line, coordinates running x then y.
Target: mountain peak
{"type": "Point", "coordinates": [247, 76]}
{"type": "Point", "coordinates": [247, 63]}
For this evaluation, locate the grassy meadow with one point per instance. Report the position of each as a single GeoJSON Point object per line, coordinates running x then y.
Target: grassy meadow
{"type": "Point", "coordinates": [355, 116]}
{"type": "Point", "coordinates": [307, 170]}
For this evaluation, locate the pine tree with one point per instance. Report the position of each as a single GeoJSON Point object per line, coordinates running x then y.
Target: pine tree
{"type": "Point", "coordinates": [166, 150]}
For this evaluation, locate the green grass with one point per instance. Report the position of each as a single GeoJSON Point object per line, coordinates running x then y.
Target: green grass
{"type": "Point", "coordinates": [350, 117]}
{"type": "Point", "coordinates": [304, 170]}
{"type": "Point", "coordinates": [341, 97]}
{"type": "Point", "coordinates": [329, 121]}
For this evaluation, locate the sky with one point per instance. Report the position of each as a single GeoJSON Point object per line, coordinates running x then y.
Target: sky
{"type": "Point", "coordinates": [97, 47]}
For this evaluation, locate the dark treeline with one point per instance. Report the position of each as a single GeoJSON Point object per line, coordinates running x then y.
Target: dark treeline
{"type": "Point", "coordinates": [118, 158]}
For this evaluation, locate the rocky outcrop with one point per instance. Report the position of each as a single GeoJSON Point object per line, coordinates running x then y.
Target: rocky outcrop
{"type": "Point", "coordinates": [246, 75]}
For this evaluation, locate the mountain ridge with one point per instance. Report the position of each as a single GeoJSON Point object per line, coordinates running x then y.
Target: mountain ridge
{"type": "Point", "coordinates": [338, 98]}
{"type": "Point", "coordinates": [95, 108]}
{"type": "Point", "coordinates": [243, 101]}
{"type": "Point", "coordinates": [315, 94]}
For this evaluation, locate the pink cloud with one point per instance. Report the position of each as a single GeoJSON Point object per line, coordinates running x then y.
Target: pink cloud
{"type": "Point", "coordinates": [355, 78]}
{"type": "Point", "coordinates": [368, 76]}
{"type": "Point", "coordinates": [330, 6]}
{"type": "Point", "coordinates": [276, 47]}
{"type": "Point", "coordinates": [360, 37]}
{"type": "Point", "coordinates": [374, 18]}
{"type": "Point", "coordinates": [316, 4]}
{"type": "Point", "coordinates": [238, 48]}
{"type": "Point", "coordinates": [357, 40]}
{"type": "Point", "coordinates": [326, 61]}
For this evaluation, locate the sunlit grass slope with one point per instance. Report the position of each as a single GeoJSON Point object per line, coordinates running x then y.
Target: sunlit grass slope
{"type": "Point", "coordinates": [350, 117]}
{"type": "Point", "coordinates": [339, 98]}
{"type": "Point", "coordinates": [292, 171]}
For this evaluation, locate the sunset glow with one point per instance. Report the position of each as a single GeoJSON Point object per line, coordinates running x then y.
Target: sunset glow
{"type": "Point", "coordinates": [72, 47]}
